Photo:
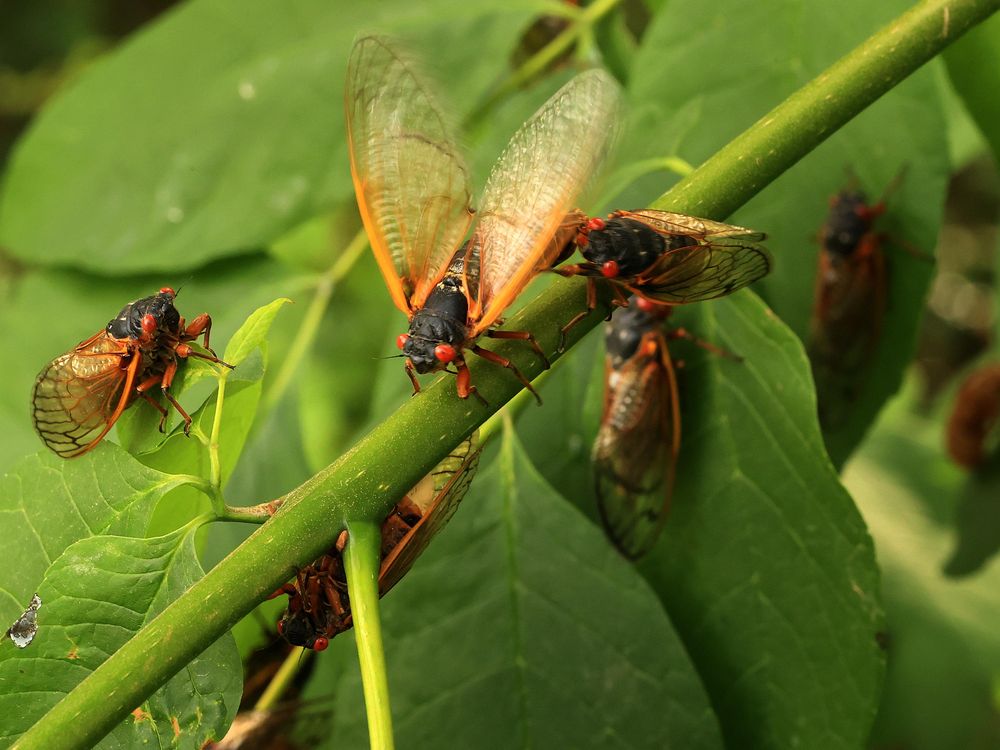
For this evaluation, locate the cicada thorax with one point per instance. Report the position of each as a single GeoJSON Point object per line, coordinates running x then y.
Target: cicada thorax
{"type": "Point", "coordinates": [625, 247]}
{"type": "Point", "coordinates": [440, 329]}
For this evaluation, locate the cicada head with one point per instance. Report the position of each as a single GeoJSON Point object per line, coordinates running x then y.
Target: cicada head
{"type": "Point", "coordinates": [146, 317]}
{"type": "Point", "coordinates": [437, 330]}
{"type": "Point", "coordinates": [850, 218]}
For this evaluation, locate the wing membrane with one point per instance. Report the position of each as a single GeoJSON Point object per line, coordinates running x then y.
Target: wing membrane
{"type": "Point", "coordinates": [78, 396]}
{"type": "Point", "coordinates": [703, 271]}
{"type": "Point", "coordinates": [635, 454]}
{"type": "Point", "coordinates": [534, 186]}
{"type": "Point", "coordinates": [410, 181]}
{"type": "Point", "coordinates": [448, 484]}
{"type": "Point", "coordinates": [668, 222]}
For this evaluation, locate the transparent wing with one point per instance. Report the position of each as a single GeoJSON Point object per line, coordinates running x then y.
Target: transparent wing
{"type": "Point", "coordinates": [667, 222]}
{"type": "Point", "coordinates": [703, 271]}
{"type": "Point", "coordinates": [635, 454]}
{"type": "Point", "coordinates": [78, 396]}
{"type": "Point", "coordinates": [533, 187]}
{"type": "Point", "coordinates": [438, 500]}
{"type": "Point", "coordinates": [410, 181]}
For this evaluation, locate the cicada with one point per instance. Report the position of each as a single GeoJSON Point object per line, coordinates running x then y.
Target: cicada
{"type": "Point", "coordinates": [666, 257]}
{"type": "Point", "coordinates": [850, 298]}
{"type": "Point", "coordinates": [79, 395]}
{"type": "Point", "coordinates": [635, 453]}
{"type": "Point", "coordinates": [412, 189]}
{"type": "Point", "coordinates": [975, 417]}
{"type": "Point", "coordinates": [318, 604]}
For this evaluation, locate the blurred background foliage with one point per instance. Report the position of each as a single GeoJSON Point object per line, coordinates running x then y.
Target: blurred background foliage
{"type": "Point", "coordinates": [201, 145]}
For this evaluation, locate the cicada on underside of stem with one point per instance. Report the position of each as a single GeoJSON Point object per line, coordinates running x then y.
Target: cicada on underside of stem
{"type": "Point", "coordinates": [319, 605]}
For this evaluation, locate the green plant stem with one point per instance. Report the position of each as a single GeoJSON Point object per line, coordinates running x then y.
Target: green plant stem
{"type": "Point", "coordinates": [538, 62]}
{"type": "Point", "coordinates": [366, 481]}
{"type": "Point", "coordinates": [361, 563]}
{"type": "Point", "coordinates": [271, 696]}
{"type": "Point", "coordinates": [795, 127]}
{"type": "Point", "coordinates": [314, 316]}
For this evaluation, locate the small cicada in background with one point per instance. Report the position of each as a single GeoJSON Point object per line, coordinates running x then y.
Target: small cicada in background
{"type": "Point", "coordinates": [412, 188]}
{"type": "Point", "coordinates": [850, 299]}
{"type": "Point", "coordinates": [79, 395]}
{"type": "Point", "coordinates": [666, 257]}
{"type": "Point", "coordinates": [635, 453]}
{"type": "Point", "coordinates": [318, 604]}
{"type": "Point", "coordinates": [972, 427]}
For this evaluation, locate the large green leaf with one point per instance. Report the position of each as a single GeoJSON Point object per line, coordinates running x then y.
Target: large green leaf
{"type": "Point", "coordinates": [521, 627]}
{"type": "Point", "coordinates": [686, 102]}
{"type": "Point", "coordinates": [177, 148]}
{"type": "Point", "coordinates": [47, 503]}
{"type": "Point", "coordinates": [95, 596]}
{"type": "Point", "coordinates": [764, 566]}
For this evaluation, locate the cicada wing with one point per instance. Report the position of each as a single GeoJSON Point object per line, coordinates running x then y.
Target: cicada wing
{"type": "Point", "coordinates": [447, 486]}
{"type": "Point", "coordinates": [533, 188]}
{"type": "Point", "coordinates": [846, 324]}
{"type": "Point", "coordinates": [635, 453]}
{"type": "Point", "coordinates": [79, 396]}
{"type": "Point", "coordinates": [411, 183]}
{"type": "Point", "coordinates": [668, 222]}
{"type": "Point", "coordinates": [703, 271]}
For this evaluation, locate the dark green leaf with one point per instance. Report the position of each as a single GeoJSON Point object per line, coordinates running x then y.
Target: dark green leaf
{"type": "Point", "coordinates": [521, 627]}
{"type": "Point", "coordinates": [47, 503]}
{"type": "Point", "coordinates": [95, 596]}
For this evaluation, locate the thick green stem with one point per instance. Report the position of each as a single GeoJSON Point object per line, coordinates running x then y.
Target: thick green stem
{"type": "Point", "coordinates": [361, 563]}
{"type": "Point", "coordinates": [366, 481]}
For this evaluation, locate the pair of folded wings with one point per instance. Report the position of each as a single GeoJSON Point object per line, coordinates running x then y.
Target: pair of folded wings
{"type": "Point", "coordinates": [412, 184]}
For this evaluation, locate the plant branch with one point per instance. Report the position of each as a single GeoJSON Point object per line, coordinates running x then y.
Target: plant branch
{"type": "Point", "coordinates": [365, 482]}
{"type": "Point", "coordinates": [361, 563]}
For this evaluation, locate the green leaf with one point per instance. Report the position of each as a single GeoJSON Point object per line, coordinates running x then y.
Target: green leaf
{"type": "Point", "coordinates": [253, 332]}
{"type": "Point", "coordinates": [176, 149]}
{"type": "Point", "coordinates": [683, 107]}
{"type": "Point", "coordinates": [764, 566]}
{"type": "Point", "coordinates": [47, 503]}
{"type": "Point", "coordinates": [95, 596]}
{"type": "Point", "coordinates": [521, 627]}
{"type": "Point", "coordinates": [971, 65]}
{"type": "Point", "coordinates": [943, 643]}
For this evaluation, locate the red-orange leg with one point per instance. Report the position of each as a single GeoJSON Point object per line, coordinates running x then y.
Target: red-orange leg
{"type": "Point", "coordinates": [463, 382]}
{"type": "Point", "coordinates": [522, 336]}
{"type": "Point", "coordinates": [200, 326]}
{"type": "Point", "coordinates": [163, 412]}
{"type": "Point", "coordinates": [504, 362]}
{"type": "Point", "coordinates": [683, 333]}
{"type": "Point", "coordinates": [591, 304]}
{"type": "Point", "coordinates": [413, 377]}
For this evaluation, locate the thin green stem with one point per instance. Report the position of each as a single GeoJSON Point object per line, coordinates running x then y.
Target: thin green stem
{"type": "Point", "coordinates": [361, 563]}
{"type": "Point", "coordinates": [276, 688]}
{"type": "Point", "coordinates": [314, 316]}
{"type": "Point", "coordinates": [539, 61]}
{"type": "Point", "coordinates": [367, 481]}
